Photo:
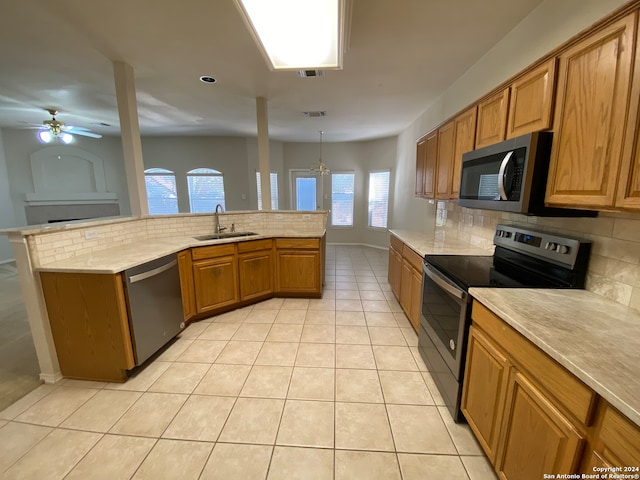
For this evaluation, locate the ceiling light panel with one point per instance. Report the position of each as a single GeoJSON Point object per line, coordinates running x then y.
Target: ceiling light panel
{"type": "Point", "coordinates": [295, 34]}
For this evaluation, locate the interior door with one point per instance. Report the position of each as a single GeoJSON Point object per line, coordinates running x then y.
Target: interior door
{"type": "Point", "coordinates": [306, 190]}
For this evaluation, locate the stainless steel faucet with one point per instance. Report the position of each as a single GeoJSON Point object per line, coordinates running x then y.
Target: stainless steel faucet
{"type": "Point", "coordinates": [217, 228]}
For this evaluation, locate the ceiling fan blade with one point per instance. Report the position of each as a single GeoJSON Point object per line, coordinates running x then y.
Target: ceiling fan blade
{"type": "Point", "coordinates": [86, 133]}
{"type": "Point", "coordinates": [73, 128]}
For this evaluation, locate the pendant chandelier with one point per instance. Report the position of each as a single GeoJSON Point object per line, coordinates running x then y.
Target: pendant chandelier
{"type": "Point", "coordinates": [321, 169]}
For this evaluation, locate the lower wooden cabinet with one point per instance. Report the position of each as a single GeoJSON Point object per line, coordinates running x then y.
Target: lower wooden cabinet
{"type": "Point", "coordinates": [531, 415]}
{"type": "Point", "coordinates": [298, 267]}
{"type": "Point", "coordinates": [187, 289]}
{"type": "Point", "coordinates": [405, 278]}
{"type": "Point", "coordinates": [90, 325]}
{"type": "Point", "coordinates": [536, 437]}
{"type": "Point", "coordinates": [255, 269]}
{"type": "Point", "coordinates": [216, 283]}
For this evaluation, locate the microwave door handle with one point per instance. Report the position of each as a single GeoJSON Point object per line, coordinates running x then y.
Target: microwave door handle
{"type": "Point", "coordinates": [443, 283]}
{"type": "Point", "coordinates": [503, 168]}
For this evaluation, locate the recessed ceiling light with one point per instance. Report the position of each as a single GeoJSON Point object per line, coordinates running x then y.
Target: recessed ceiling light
{"type": "Point", "coordinates": [207, 79]}
{"type": "Point", "coordinates": [315, 114]}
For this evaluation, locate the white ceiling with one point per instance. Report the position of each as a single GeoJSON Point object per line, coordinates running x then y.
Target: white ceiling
{"type": "Point", "coordinates": [402, 54]}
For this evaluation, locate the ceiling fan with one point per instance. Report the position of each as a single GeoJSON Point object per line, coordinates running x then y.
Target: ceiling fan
{"type": "Point", "coordinates": [56, 130]}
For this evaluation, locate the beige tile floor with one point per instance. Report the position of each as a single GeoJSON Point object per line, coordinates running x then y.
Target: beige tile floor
{"type": "Point", "coordinates": [285, 389]}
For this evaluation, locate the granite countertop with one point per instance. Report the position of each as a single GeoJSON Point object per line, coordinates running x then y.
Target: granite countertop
{"type": "Point", "coordinates": [594, 338]}
{"type": "Point", "coordinates": [439, 243]}
{"type": "Point", "coordinates": [118, 259]}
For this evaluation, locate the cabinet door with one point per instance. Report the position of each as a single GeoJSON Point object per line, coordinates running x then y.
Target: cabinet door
{"type": "Point", "coordinates": [532, 100]}
{"type": "Point", "coordinates": [591, 109]}
{"type": "Point", "coordinates": [629, 181]}
{"type": "Point", "coordinates": [535, 438]}
{"type": "Point", "coordinates": [395, 271]}
{"type": "Point", "coordinates": [298, 272]}
{"type": "Point", "coordinates": [405, 286]}
{"type": "Point", "coordinates": [421, 158]}
{"type": "Point", "coordinates": [465, 137]}
{"type": "Point", "coordinates": [256, 274]}
{"type": "Point", "coordinates": [492, 119]}
{"type": "Point", "coordinates": [444, 167]}
{"type": "Point", "coordinates": [185, 268]}
{"type": "Point", "coordinates": [430, 165]}
{"type": "Point", "coordinates": [416, 299]}
{"type": "Point", "coordinates": [216, 283]}
{"type": "Point", "coordinates": [485, 383]}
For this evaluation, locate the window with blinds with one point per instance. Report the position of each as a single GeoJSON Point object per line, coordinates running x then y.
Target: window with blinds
{"type": "Point", "coordinates": [342, 197]}
{"type": "Point", "coordinates": [379, 198]}
{"type": "Point", "coordinates": [273, 177]}
{"type": "Point", "coordinates": [162, 197]}
{"type": "Point", "coordinates": [206, 190]}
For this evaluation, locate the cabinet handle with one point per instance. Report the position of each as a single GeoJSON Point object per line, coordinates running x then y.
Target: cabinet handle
{"type": "Point", "coordinates": [503, 167]}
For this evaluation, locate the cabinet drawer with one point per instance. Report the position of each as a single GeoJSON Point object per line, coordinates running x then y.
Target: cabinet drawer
{"type": "Point", "coordinates": [255, 245]}
{"type": "Point", "coordinates": [621, 437]}
{"type": "Point", "coordinates": [396, 244]}
{"type": "Point", "coordinates": [572, 394]}
{"type": "Point", "coordinates": [212, 251]}
{"type": "Point", "coordinates": [412, 257]}
{"type": "Point", "coordinates": [301, 243]}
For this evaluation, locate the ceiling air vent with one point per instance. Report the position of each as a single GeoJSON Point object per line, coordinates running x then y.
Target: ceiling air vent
{"type": "Point", "coordinates": [314, 114]}
{"type": "Point", "coordinates": [310, 73]}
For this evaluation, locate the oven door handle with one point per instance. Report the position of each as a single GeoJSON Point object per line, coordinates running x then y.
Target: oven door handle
{"type": "Point", "coordinates": [443, 283]}
{"type": "Point", "coordinates": [501, 172]}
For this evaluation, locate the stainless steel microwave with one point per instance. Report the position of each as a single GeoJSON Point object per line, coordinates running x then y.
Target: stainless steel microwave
{"type": "Point", "coordinates": [510, 176]}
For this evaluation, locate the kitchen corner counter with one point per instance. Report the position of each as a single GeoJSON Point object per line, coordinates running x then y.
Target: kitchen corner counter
{"type": "Point", "coordinates": [118, 259]}
{"type": "Point", "coordinates": [437, 243]}
{"type": "Point", "coordinates": [594, 338]}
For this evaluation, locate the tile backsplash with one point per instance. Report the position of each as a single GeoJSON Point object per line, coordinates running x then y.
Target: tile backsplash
{"type": "Point", "coordinates": [614, 265]}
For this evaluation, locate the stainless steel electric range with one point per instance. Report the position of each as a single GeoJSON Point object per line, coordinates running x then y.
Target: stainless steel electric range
{"type": "Point", "coordinates": [523, 258]}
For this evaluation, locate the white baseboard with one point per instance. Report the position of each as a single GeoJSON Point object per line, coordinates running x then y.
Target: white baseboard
{"type": "Point", "coordinates": [341, 244]}
{"type": "Point", "coordinates": [51, 377]}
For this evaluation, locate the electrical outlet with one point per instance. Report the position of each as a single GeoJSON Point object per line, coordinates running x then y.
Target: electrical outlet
{"type": "Point", "coordinates": [90, 234]}
{"type": "Point", "coordinates": [279, 216]}
{"type": "Point", "coordinates": [306, 216]}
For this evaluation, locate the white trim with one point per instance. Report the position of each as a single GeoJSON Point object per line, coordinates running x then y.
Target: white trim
{"type": "Point", "coordinates": [51, 377]}
{"type": "Point", "coordinates": [71, 198]}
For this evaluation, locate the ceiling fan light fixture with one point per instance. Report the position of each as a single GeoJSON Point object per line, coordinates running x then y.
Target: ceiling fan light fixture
{"type": "Point", "coordinates": [66, 138]}
{"type": "Point", "coordinates": [321, 169]}
{"type": "Point", "coordinates": [294, 35]}
{"type": "Point", "coordinates": [45, 136]}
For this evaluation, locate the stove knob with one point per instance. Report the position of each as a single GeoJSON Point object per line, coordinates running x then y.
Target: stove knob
{"type": "Point", "coordinates": [550, 246]}
{"type": "Point", "coordinates": [562, 249]}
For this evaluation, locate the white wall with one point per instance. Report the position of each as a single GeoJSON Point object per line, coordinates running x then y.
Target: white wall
{"type": "Point", "coordinates": [548, 26]}
{"type": "Point", "coordinates": [357, 157]}
{"type": "Point", "coordinates": [7, 216]}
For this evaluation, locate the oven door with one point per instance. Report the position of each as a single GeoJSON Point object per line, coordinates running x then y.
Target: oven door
{"type": "Point", "coordinates": [444, 318]}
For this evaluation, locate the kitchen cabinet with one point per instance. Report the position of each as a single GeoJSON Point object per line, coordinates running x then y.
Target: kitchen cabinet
{"type": "Point", "coordinates": [444, 160]}
{"type": "Point", "coordinates": [492, 119]}
{"type": "Point", "coordinates": [215, 277]}
{"type": "Point", "coordinates": [405, 274]}
{"type": "Point", "coordinates": [187, 289]}
{"type": "Point", "coordinates": [593, 99]}
{"type": "Point", "coordinates": [531, 100]}
{"type": "Point", "coordinates": [89, 324]}
{"type": "Point", "coordinates": [426, 160]}
{"type": "Point", "coordinates": [530, 415]}
{"type": "Point", "coordinates": [465, 135]}
{"type": "Point", "coordinates": [395, 265]}
{"type": "Point", "coordinates": [255, 267]}
{"type": "Point", "coordinates": [298, 267]}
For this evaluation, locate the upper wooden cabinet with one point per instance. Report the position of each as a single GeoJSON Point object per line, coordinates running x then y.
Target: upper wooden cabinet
{"type": "Point", "coordinates": [465, 136]}
{"type": "Point", "coordinates": [492, 119]}
{"type": "Point", "coordinates": [444, 163]}
{"type": "Point", "coordinates": [426, 159]}
{"type": "Point", "coordinates": [594, 80]}
{"type": "Point", "coordinates": [531, 101]}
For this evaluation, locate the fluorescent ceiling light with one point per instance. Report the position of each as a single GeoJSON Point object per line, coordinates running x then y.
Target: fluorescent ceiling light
{"type": "Point", "coordinates": [297, 34]}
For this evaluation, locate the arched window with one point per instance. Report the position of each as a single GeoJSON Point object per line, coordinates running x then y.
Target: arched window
{"type": "Point", "coordinates": [206, 190]}
{"type": "Point", "coordinates": [162, 197]}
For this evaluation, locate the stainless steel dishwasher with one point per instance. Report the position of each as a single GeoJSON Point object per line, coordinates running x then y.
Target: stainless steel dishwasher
{"type": "Point", "coordinates": [154, 302]}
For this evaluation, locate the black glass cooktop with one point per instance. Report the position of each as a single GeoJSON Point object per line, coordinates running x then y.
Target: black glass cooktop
{"type": "Point", "coordinates": [465, 270]}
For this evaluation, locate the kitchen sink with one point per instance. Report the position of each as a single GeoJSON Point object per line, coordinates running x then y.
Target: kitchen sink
{"type": "Point", "coordinates": [220, 236]}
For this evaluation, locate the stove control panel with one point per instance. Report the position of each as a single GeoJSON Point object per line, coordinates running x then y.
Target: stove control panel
{"type": "Point", "coordinates": [565, 251]}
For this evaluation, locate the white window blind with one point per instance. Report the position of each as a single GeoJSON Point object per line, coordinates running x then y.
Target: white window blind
{"type": "Point", "coordinates": [206, 190]}
{"type": "Point", "coordinates": [273, 177]}
{"type": "Point", "coordinates": [342, 196]}
{"type": "Point", "coordinates": [378, 198]}
{"type": "Point", "coordinates": [161, 191]}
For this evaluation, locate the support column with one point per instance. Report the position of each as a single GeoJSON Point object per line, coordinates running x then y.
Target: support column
{"type": "Point", "coordinates": [263, 152]}
{"type": "Point", "coordinates": [130, 132]}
